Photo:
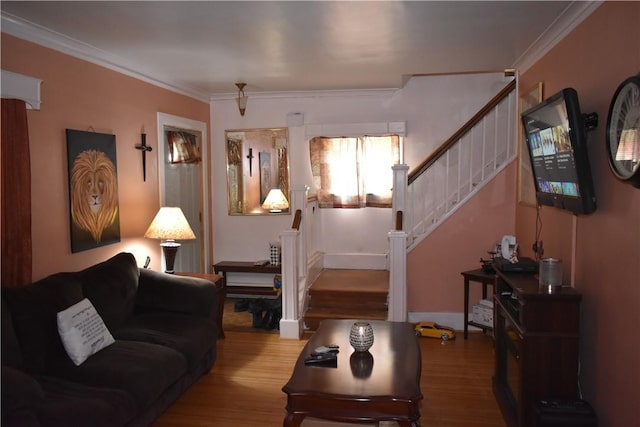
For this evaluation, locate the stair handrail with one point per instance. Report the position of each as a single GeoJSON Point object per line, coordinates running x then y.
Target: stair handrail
{"type": "Point", "coordinates": [399, 220]}
{"type": "Point", "coordinates": [297, 219]}
{"type": "Point", "coordinates": [473, 121]}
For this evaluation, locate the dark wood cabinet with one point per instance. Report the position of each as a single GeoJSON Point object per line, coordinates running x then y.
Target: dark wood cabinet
{"type": "Point", "coordinates": [537, 343]}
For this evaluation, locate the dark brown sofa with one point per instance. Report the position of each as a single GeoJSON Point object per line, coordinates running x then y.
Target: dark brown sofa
{"type": "Point", "coordinates": [165, 329]}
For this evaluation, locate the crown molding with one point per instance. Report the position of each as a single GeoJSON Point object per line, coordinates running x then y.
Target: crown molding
{"type": "Point", "coordinates": [40, 35]}
{"type": "Point", "coordinates": [307, 94]}
{"type": "Point", "coordinates": [571, 17]}
{"type": "Point", "coordinates": [22, 87]}
{"type": "Point", "coordinates": [565, 23]}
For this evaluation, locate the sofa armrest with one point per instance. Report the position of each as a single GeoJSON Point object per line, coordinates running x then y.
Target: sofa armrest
{"type": "Point", "coordinates": [21, 395]}
{"type": "Point", "coordinates": [180, 294]}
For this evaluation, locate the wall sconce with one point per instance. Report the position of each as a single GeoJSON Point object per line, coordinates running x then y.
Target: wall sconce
{"type": "Point", "coordinates": [275, 201]}
{"type": "Point", "coordinates": [170, 225]}
{"type": "Point", "coordinates": [242, 98]}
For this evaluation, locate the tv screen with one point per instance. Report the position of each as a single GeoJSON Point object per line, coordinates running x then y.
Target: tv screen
{"type": "Point", "coordinates": [557, 142]}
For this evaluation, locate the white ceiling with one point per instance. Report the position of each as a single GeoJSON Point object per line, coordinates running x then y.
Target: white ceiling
{"type": "Point", "coordinates": [203, 48]}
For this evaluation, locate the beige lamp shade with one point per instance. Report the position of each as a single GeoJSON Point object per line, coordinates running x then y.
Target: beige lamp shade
{"type": "Point", "coordinates": [170, 224]}
{"type": "Point", "coordinates": [275, 201]}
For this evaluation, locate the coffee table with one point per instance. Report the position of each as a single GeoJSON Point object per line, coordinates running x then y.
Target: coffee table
{"type": "Point", "coordinates": [380, 385]}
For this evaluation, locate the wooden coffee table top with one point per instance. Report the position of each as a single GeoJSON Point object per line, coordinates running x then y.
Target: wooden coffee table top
{"type": "Point", "coordinates": [361, 384]}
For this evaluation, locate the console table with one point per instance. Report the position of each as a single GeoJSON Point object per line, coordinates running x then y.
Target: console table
{"type": "Point", "coordinates": [225, 267]}
{"type": "Point", "coordinates": [479, 276]}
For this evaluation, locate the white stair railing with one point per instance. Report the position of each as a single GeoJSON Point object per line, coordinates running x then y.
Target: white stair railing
{"type": "Point", "coordinates": [462, 165]}
{"type": "Point", "coordinates": [294, 267]}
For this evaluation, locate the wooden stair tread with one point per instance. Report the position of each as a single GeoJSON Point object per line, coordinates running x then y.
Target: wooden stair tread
{"type": "Point", "coordinates": [336, 280]}
{"type": "Point", "coordinates": [329, 312]}
{"type": "Point", "coordinates": [347, 294]}
{"type": "Point", "coordinates": [314, 316]}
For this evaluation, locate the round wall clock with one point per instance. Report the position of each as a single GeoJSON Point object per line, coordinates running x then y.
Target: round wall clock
{"type": "Point", "coordinates": [623, 131]}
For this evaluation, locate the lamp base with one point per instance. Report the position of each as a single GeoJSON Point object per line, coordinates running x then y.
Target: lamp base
{"type": "Point", "coordinates": [170, 249]}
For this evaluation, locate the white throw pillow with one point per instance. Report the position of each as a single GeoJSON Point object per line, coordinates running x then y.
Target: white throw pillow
{"type": "Point", "coordinates": [82, 331]}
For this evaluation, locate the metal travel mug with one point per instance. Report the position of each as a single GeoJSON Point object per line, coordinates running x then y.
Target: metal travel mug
{"type": "Point", "coordinates": [550, 274]}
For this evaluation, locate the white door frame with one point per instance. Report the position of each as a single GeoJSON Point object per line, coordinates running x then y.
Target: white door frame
{"type": "Point", "coordinates": [188, 124]}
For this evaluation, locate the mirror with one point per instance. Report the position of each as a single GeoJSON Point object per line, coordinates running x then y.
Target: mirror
{"type": "Point", "coordinates": [257, 162]}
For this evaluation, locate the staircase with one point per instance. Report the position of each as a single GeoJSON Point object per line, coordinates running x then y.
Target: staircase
{"type": "Point", "coordinates": [347, 294]}
{"type": "Point", "coordinates": [462, 165]}
{"type": "Point", "coordinates": [422, 199]}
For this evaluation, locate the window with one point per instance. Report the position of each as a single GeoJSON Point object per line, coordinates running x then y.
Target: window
{"type": "Point", "coordinates": [354, 172]}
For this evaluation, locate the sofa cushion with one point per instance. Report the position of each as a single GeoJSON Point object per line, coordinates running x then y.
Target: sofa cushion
{"type": "Point", "coordinates": [20, 419]}
{"type": "Point", "coordinates": [179, 294]}
{"type": "Point", "coordinates": [192, 336]}
{"type": "Point", "coordinates": [11, 355]}
{"type": "Point", "coordinates": [78, 405]}
{"type": "Point", "coordinates": [34, 309]}
{"type": "Point", "coordinates": [82, 331]}
{"type": "Point", "coordinates": [111, 286]}
{"type": "Point", "coordinates": [144, 370]}
{"type": "Point", "coordinates": [20, 392]}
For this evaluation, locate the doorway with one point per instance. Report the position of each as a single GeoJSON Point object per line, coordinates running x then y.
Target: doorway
{"type": "Point", "coordinates": [183, 184]}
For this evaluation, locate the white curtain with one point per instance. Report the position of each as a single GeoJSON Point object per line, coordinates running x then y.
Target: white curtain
{"type": "Point", "coordinates": [354, 172]}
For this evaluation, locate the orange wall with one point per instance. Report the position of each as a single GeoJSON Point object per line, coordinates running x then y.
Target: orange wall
{"type": "Point", "coordinates": [594, 59]}
{"type": "Point", "coordinates": [79, 95]}
{"type": "Point", "coordinates": [433, 267]}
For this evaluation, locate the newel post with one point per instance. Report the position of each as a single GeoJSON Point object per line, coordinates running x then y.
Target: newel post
{"type": "Point", "coordinates": [397, 276]}
{"type": "Point", "coordinates": [299, 196]}
{"type": "Point", "coordinates": [290, 323]}
{"type": "Point", "coordinates": [398, 246]}
{"type": "Point", "coordinates": [399, 194]}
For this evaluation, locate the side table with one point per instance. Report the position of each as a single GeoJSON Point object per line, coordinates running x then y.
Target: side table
{"type": "Point", "coordinates": [479, 276]}
{"type": "Point", "coordinates": [221, 286]}
{"type": "Point", "coordinates": [225, 267]}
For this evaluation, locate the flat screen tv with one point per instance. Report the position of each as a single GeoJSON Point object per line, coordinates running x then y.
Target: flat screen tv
{"type": "Point", "coordinates": [556, 137]}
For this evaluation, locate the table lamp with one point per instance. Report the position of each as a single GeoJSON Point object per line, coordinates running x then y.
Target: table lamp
{"type": "Point", "coordinates": [170, 225]}
{"type": "Point", "coordinates": [275, 201]}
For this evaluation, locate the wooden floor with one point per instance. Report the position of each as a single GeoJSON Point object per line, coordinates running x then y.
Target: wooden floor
{"type": "Point", "coordinates": [244, 386]}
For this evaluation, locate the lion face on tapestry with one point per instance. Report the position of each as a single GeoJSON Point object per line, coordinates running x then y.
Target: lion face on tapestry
{"type": "Point", "coordinates": [94, 192]}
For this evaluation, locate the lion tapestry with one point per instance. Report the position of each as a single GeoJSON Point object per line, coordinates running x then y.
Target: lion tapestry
{"type": "Point", "coordinates": [93, 190]}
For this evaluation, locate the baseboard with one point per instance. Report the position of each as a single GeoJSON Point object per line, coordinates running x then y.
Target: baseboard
{"type": "Point", "coordinates": [355, 261]}
{"type": "Point", "coordinates": [291, 329]}
{"type": "Point", "coordinates": [314, 266]}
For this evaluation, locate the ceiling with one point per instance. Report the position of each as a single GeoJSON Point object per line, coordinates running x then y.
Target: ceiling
{"type": "Point", "coordinates": [203, 48]}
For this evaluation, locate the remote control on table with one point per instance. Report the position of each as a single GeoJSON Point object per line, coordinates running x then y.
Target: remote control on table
{"type": "Point", "coordinates": [329, 348]}
{"type": "Point", "coordinates": [322, 359]}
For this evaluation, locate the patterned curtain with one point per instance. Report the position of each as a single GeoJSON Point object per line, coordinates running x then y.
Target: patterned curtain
{"type": "Point", "coordinates": [354, 172]}
{"type": "Point", "coordinates": [16, 195]}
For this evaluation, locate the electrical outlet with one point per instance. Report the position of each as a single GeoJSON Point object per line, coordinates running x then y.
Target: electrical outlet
{"type": "Point", "coordinates": [538, 248]}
